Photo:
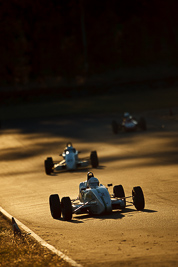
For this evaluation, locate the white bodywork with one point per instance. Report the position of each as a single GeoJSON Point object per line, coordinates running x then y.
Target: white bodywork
{"type": "Point", "coordinates": [95, 199]}
{"type": "Point", "coordinates": [70, 160]}
{"type": "Point", "coordinates": [129, 124]}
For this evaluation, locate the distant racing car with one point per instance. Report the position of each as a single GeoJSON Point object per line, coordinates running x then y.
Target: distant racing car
{"type": "Point", "coordinates": [95, 199]}
{"type": "Point", "coordinates": [70, 160]}
{"type": "Point", "coordinates": [129, 124]}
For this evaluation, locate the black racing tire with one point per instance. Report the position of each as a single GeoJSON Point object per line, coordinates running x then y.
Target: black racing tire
{"type": "Point", "coordinates": [142, 124]}
{"type": "Point", "coordinates": [55, 206]}
{"type": "Point", "coordinates": [114, 127]}
{"type": "Point", "coordinates": [48, 169]}
{"type": "Point", "coordinates": [66, 208]}
{"type": "Point", "coordinates": [118, 191]}
{"type": "Point", "coordinates": [49, 165]}
{"type": "Point", "coordinates": [138, 198]}
{"type": "Point", "coordinates": [94, 159]}
{"type": "Point", "coordinates": [50, 159]}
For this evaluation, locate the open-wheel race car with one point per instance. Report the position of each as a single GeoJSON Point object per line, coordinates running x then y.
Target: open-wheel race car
{"type": "Point", "coordinates": [70, 160]}
{"type": "Point", "coordinates": [95, 199]}
{"type": "Point", "coordinates": [128, 124]}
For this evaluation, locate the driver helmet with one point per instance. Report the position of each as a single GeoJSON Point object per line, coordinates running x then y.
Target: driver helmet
{"type": "Point", "coordinates": [69, 145]}
{"type": "Point", "coordinates": [69, 148]}
{"type": "Point", "coordinates": [93, 182]}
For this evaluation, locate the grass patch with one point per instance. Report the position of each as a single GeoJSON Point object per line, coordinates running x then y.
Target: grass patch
{"type": "Point", "coordinates": [24, 252]}
{"type": "Point", "coordinates": [132, 101]}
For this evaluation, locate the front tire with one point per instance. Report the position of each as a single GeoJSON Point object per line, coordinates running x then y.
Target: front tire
{"type": "Point", "coordinates": [138, 198]}
{"type": "Point", "coordinates": [66, 208]}
{"type": "Point", "coordinates": [49, 165]}
{"type": "Point", "coordinates": [94, 159]}
{"type": "Point", "coordinates": [55, 206]}
{"type": "Point", "coordinates": [118, 191]}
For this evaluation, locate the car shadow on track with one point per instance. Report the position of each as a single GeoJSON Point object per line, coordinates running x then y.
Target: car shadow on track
{"type": "Point", "coordinates": [81, 218]}
{"type": "Point", "coordinates": [127, 210]}
{"type": "Point", "coordinates": [115, 215]}
{"type": "Point", "coordinates": [83, 170]}
{"type": "Point", "coordinates": [149, 211]}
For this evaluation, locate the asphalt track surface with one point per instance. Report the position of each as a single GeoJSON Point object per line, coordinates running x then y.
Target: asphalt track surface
{"type": "Point", "coordinates": [124, 238]}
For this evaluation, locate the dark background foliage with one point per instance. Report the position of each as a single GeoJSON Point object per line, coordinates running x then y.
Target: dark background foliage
{"type": "Point", "coordinates": [66, 38]}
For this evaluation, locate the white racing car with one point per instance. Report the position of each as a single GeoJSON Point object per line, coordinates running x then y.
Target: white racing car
{"type": "Point", "coordinates": [129, 124]}
{"type": "Point", "coordinates": [70, 160]}
{"type": "Point", "coordinates": [95, 199]}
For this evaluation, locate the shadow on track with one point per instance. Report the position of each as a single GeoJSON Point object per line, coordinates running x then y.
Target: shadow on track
{"type": "Point", "coordinates": [115, 215]}
{"type": "Point", "coordinates": [91, 131]}
{"type": "Point", "coordinates": [80, 170]}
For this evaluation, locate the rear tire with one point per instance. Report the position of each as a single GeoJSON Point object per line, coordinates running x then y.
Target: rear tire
{"type": "Point", "coordinates": [114, 127]}
{"type": "Point", "coordinates": [94, 159]}
{"type": "Point", "coordinates": [66, 208]}
{"type": "Point", "coordinates": [138, 198]}
{"type": "Point", "coordinates": [55, 206]}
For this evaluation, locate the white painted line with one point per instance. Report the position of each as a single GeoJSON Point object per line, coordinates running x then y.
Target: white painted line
{"type": "Point", "coordinates": [41, 241]}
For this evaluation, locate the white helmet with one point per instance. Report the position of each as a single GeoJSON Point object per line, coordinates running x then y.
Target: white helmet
{"type": "Point", "coordinates": [93, 182]}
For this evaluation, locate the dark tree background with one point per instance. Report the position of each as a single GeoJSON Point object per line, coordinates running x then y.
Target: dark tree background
{"type": "Point", "coordinates": [65, 38]}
